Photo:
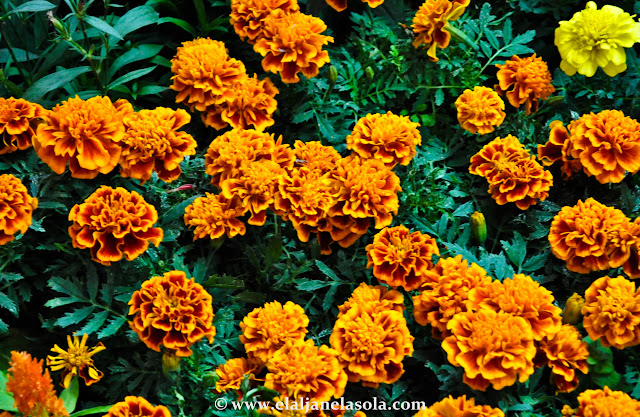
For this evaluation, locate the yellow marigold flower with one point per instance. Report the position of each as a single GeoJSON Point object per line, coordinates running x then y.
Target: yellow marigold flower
{"type": "Point", "coordinates": [459, 407]}
{"type": "Point", "coordinates": [301, 369]}
{"type": "Point", "coordinates": [251, 102]}
{"type": "Point", "coordinates": [480, 110]}
{"type": "Point", "coordinates": [76, 361]}
{"type": "Point", "coordinates": [32, 388]}
{"type": "Point", "coordinates": [494, 348]}
{"type": "Point", "coordinates": [572, 309]}
{"type": "Point", "coordinates": [247, 16]}
{"type": "Point", "coordinates": [612, 312]}
{"type": "Point", "coordinates": [16, 208]}
{"type": "Point", "coordinates": [266, 329]}
{"type": "Point", "coordinates": [607, 144]}
{"type": "Point", "coordinates": [565, 353]}
{"type": "Point", "coordinates": [214, 216]}
{"type": "Point", "coordinates": [373, 299]}
{"type": "Point", "coordinates": [530, 79]}
{"type": "Point", "coordinates": [86, 134]}
{"type": "Point", "coordinates": [292, 43]}
{"type": "Point", "coordinates": [558, 148]}
{"type": "Point", "coordinates": [430, 23]}
{"type": "Point", "coordinates": [315, 156]}
{"type": "Point", "coordinates": [400, 258]}
{"type": "Point", "coordinates": [204, 73]}
{"type": "Point", "coordinates": [172, 311]}
{"type": "Point", "coordinates": [114, 223]}
{"type": "Point", "coordinates": [137, 407]}
{"type": "Point", "coordinates": [232, 373]}
{"type": "Point", "coordinates": [596, 38]}
{"type": "Point", "coordinates": [371, 347]}
{"type": "Point", "coordinates": [446, 293]}
{"type": "Point", "coordinates": [389, 138]}
{"type": "Point", "coordinates": [18, 121]}
{"type": "Point", "coordinates": [579, 235]}
{"type": "Point", "coordinates": [605, 403]}
{"type": "Point", "coordinates": [523, 297]}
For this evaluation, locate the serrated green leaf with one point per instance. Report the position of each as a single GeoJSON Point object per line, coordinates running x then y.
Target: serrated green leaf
{"type": "Point", "coordinates": [327, 271]}
{"type": "Point", "coordinates": [75, 317]}
{"type": "Point", "coordinates": [112, 328]}
{"type": "Point", "coordinates": [507, 32]}
{"type": "Point", "coordinates": [329, 296]}
{"type": "Point", "coordinates": [4, 327]}
{"type": "Point", "coordinates": [177, 211]}
{"type": "Point", "coordinates": [138, 53]}
{"type": "Point", "coordinates": [69, 396]}
{"type": "Point", "coordinates": [515, 251]}
{"type": "Point", "coordinates": [492, 38]}
{"type": "Point", "coordinates": [96, 321]}
{"type": "Point", "coordinates": [135, 19]}
{"type": "Point", "coordinates": [66, 287]}
{"type": "Point", "coordinates": [131, 76]}
{"type": "Point", "coordinates": [61, 301]}
{"type": "Point", "coordinates": [33, 6]}
{"type": "Point", "coordinates": [535, 262]}
{"type": "Point", "coordinates": [9, 304]}
{"type": "Point", "coordinates": [439, 98]}
{"type": "Point", "coordinates": [10, 277]}
{"type": "Point", "coordinates": [102, 26]}
{"type": "Point", "coordinates": [310, 285]}
{"type": "Point", "coordinates": [464, 210]}
{"type": "Point", "coordinates": [52, 82]}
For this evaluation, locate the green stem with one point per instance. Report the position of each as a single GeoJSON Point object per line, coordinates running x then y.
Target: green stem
{"type": "Point", "coordinates": [21, 70]}
{"type": "Point", "coordinates": [460, 36]}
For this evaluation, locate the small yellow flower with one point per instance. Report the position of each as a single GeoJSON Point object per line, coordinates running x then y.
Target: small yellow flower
{"type": "Point", "coordinates": [76, 361]}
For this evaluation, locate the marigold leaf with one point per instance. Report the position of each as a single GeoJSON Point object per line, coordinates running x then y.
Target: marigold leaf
{"type": "Point", "coordinates": [112, 328]}
{"type": "Point", "coordinates": [96, 321]}
{"type": "Point", "coordinates": [66, 287]}
{"type": "Point", "coordinates": [9, 304]}
{"type": "Point", "coordinates": [327, 271]}
{"type": "Point", "coordinates": [493, 39]}
{"type": "Point", "coordinates": [75, 317]}
{"type": "Point", "coordinates": [311, 285]}
{"type": "Point", "coordinates": [10, 277]}
{"type": "Point", "coordinates": [329, 296]}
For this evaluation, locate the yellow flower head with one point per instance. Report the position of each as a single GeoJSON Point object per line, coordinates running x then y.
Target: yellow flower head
{"type": "Point", "coordinates": [18, 121]}
{"type": "Point", "coordinates": [530, 79]}
{"type": "Point", "coordinates": [605, 403]}
{"type": "Point", "coordinates": [480, 110]}
{"type": "Point", "coordinates": [596, 38]}
{"type": "Point", "coordinates": [315, 156]}
{"type": "Point", "coordinates": [247, 16]}
{"type": "Point", "coordinates": [76, 361]}
{"type": "Point", "coordinates": [429, 23]}
{"type": "Point", "coordinates": [232, 373]}
{"type": "Point", "coordinates": [16, 208]}
{"type": "Point", "coordinates": [214, 216]}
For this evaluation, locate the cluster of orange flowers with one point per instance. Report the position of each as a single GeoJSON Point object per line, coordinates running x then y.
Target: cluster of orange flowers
{"type": "Point", "coordinates": [603, 402]}
{"type": "Point", "coordinates": [210, 81]}
{"type": "Point", "coordinates": [459, 407]}
{"type": "Point", "coordinates": [593, 237]}
{"type": "Point", "coordinates": [16, 208]}
{"type": "Point", "coordinates": [514, 176]}
{"type": "Point", "coordinates": [605, 145]}
{"type": "Point", "coordinates": [430, 24]}
{"type": "Point", "coordinates": [18, 122]}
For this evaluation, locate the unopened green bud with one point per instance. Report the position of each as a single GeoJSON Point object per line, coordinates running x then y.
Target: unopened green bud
{"type": "Point", "coordinates": [368, 72]}
{"type": "Point", "coordinates": [478, 227]}
{"type": "Point", "coordinates": [56, 23]}
{"type": "Point", "coordinates": [554, 100]}
{"type": "Point", "coordinates": [170, 362]}
{"type": "Point", "coordinates": [333, 75]}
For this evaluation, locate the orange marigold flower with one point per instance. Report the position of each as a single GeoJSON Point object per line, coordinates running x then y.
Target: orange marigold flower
{"type": "Point", "coordinates": [400, 258]}
{"type": "Point", "coordinates": [494, 348]}
{"type": "Point", "coordinates": [251, 102]}
{"type": "Point", "coordinates": [266, 329]}
{"type": "Point", "coordinates": [86, 134]}
{"type": "Point", "coordinates": [389, 138]}
{"type": "Point", "coordinates": [16, 208]}
{"type": "Point", "coordinates": [172, 311]}
{"type": "Point", "coordinates": [371, 347]}
{"type": "Point", "coordinates": [341, 5]}
{"type": "Point", "coordinates": [530, 79]}
{"type": "Point", "coordinates": [32, 389]}
{"type": "Point", "coordinates": [446, 293]}
{"type": "Point", "coordinates": [301, 369]}
{"type": "Point", "coordinates": [605, 403]}
{"type": "Point", "coordinates": [114, 223]}
{"type": "Point", "coordinates": [152, 143]}
{"type": "Point", "coordinates": [523, 297]}
{"type": "Point", "coordinates": [607, 145]}
{"type": "Point", "coordinates": [480, 110]}
{"type": "Point", "coordinates": [18, 121]}
{"type": "Point", "coordinates": [459, 407]}
{"type": "Point", "coordinates": [232, 373]}
{"type": "Point", "coordinates": [214, 216]}
{"type": "Point", "coordinates": [76, 361]}
{"type": "Point", "coordinates": [373, 299]}
{"type": "Point", "coordinates": [315, 156]}
{"type": "Point", "coordinates": [292, 43]}
{"type": "Point", "coordinates": [247, 16]}
{"type": "Point", "coordinates": [580, 235]}
{"type": "Point", "coordinates": [137, 407]}
{"type": "Point", "coordinates": [204, 73]}
{"type": "Point", "coordinates": [558, 148]}
{"type": "Point", "coordinates": [489, 160]}
{"type": "Point", "coordinates": [430, 23]}
{"type": "Point", "coordinates": [565, 353]}
{"type": "Point", "coordinates": [612, 312]}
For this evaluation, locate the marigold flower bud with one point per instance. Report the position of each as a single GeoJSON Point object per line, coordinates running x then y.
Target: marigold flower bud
{"type": "Point", "coordinates": [170, 362]}
{"type": "Point", "coordinates": [333, 75]}
{"type": "Point", "coordinates": [571, 313]}
{"type": "Point", "coordinates": [478, 227]}
{"type": "Point", "coordinates": [368, 72]}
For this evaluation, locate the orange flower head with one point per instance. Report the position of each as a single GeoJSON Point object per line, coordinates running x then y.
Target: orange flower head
{"type": "Point", "coordinates": [247, 16]}
{"type": "Point", "coordinates": [612, 312]}
{"type": "Point", "coordinates": [292, 43]}
{"type": "Point", "coordinates": [565, 353]}
{"type": "Point", "coordinates": [373, 299]}
{"type": "Point", "coordinates": [114, 223]}
{"type": "Point", "coordinates": [606, 403]}
{"type": "Point", "coordinates": [446, 293]}
{"type": "Point", "coordinates": [430, 24]}
{"type": "Point", "coordinates": [490, 159]}
{"type": "Point", "coordinates": [371, 347]}
{"type": "Point", "coordinates": [172, 311]}
{"type": "Point", "coordinates": [480, 110]}
{"type": "Point", "coordinates": [494, 348]}
{"type": "Point", "coordinates": [341, 5]}
{"type": "Point", "coordinates": [152, 143]}
{"type": "Point", "coordinates": [459, 407]}
{"type": "Point", "coordinates": [251, 102]}
{"type": "Point", "coordinates": [607, 145]}
{"type": "Point", "coordinates": [558, 148]}
{"type": "Point", "coordinates": [232, 373]}
{"type": "Point", "coordinates": [86, 134]}
{"type": "Point", "coordinates": [32, 389]}
{"type": "Point", "coordinates": [523, 297]}
{"type": "Point", "coordinates": [400, 258]}
{"type": "Point", "coordinates": [18, 122]}
{"type": "Point", "coordinates": [137, 407]}
{"type": "Point", "coordinates": [530, 79]}
{"type": "Point", "coordinates": [389, 138]}
{"type": "Point", "coordinates": [204, 72]}
{"type": "Point", "coordinates": [301, 369]}
{"type": "Point", "coordinates": [16, 208]}
{"type": "Point", "coordinates": [266, 329]}
{"type": "Point", "coordinates": [315, 156]}
{"type": "Point", "coordinates": [214, 216]}
{"type": "Point", "coordinates": [76, 361]}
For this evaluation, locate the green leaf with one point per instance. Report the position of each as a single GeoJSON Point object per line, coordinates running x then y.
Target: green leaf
{"type": "Point", "coordinates": [327, 271]}
{"type": "Point", "coordinates": [138, 53]}
{"type": "Point", "coordinates": [535, 262]}
{"type": "Point", "coordinates": [66, 287]}
{"type": "Point", "coordinates": [92, 281]}
{"type": "Point", "coordinates": [493, 40]}
{"type": "Point", "coordinates": [180, 23]}
{"type": "Point", "coordinates": [69, 396]}
{"type": "Point", "coordinates": [6, 399]}
{"type": "Point", "coordinates": [250, 297]}
{"type": "Point", "coordinates": [112, 328]}
{"type": "Point", "coordinates": [96, 321]}
{"type": "Point", "coordinates": [151, 89]}
{"type": "Point", "coordinates": [439, 99]}
{"type": "Point", "coordinates": [507, 33]}
{"type": "Point", "coordinates": [136, 18]}
{"type": "Point", "coordinates": [75, 317]}
{"type": "Point", "coordinates": [20, 54]}
{"type": "Point", "coordinates": [328, 297]}
{"type": "Point", "coordinates": [33, 6]}
{"type": "Point", "coordinates": [177, 211]}
{"type": "Point", "coordinates": [8, 303]}
{"type": "Point", "coordinates": [102, 26]}
{"type": "Point", "coordinates": [131, 76]}
{"type": "Point", "coordinates": [464, 210]}
{"type": "Point", "coordinates": [95, 410]}
{"type": "Point", "coordinates": [310, 285]}
{"type": "Point", "coordinates": [515, 251]}
{"type": "Point", "coordinates": [10, 277]}
{"type": "Point", "coordinates": [52, 82]}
